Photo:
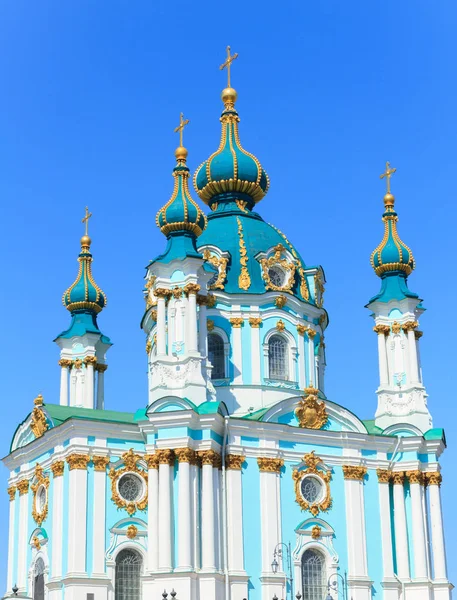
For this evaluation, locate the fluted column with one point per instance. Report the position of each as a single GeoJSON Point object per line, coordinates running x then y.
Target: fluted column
{"type": "Point", "coordinates": [99, 516]}
{"type": "Point", "coordinates": [209, 459]}
{"type": "Point", "coordinates": [23, 488]}
{"type": "Point", "coordinates": [382, 331]}
{"type": "Point", "coordinates": [436, 526]}
{"type": "Point", "coordinates": [166, 460]}
{"type": "Point", "coordinates": [89, 385]}
{"type": "Point", "coordinates": [401, 533]}
{"type": "Point", "coordinates": [409, 328]}
{"type": "Point", "coordinates": [101, 368]}
{"type": "Point", "coordinates": [11, 537]}
{"type": "Point", "coordinates": [270, 469]}
{"type": "Point", "coordinates": [57, 469]}
{"type": "Point", "coordinates": [77, 513]}
{"type": "Point", "coordinates": [237, 351]}
{"type": "Point", "coordinates": [255, 323]}
{"type": "Point", "coordinates": [153, 512]}
{"type": "Point", "coordinates": [385, 525]}
{"type": "Point", "coordinates": [185, 457]}
{"type": "Point", "coordinates": [161, 322]}
{"type": "Point", "coordinates": [65, 365]}
{"type": "Point", "coordinates": [233, 463]}
{"type": "Point", "coordinates": [191, 290]}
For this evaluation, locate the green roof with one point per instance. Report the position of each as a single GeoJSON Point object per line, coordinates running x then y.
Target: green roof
{"type": "Point", "coordinates": [59, 414]}
{"type": "Point", "coordinates": [372, 428]}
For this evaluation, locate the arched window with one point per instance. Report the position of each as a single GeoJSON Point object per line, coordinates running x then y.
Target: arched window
{"type": "Point", "coordinates": [216, 355]}
{"type": "Point", "coordinates": [278, 359]}
{"type": "Point", "coordinates": [129, 564]}
{"type": "Point", "coordinates": [314, 582]}
{"type": "Point", "coordinates": [38, 580]}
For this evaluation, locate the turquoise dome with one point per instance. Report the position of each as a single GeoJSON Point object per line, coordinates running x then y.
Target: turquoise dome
{"type": "Point", "coordinates": [84, 294]}
{"type": "Point", "coordinates": [231, 173]}
{"type": "Point", "coordinates": [181, 213]}
{"type": "Point", "coordinates": [392, 255]}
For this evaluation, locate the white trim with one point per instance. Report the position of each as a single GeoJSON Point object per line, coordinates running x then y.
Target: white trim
{"type": "Point", "coordinates": [221, 333]}
{"type": "Point", "coordinates": [324, 547]}
{"type": "Point", "coordinates": [292, 354]}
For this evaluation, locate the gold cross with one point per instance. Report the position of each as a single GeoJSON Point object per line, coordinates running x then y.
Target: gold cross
{"type": "Point", "coordinates": [228, 62]}
{"type": "Point", "coordinates": [388, 174]}
{"type": "Point", "coordinates": [180, 128]}
{"type": "Point", "coordinates": [86, 219]}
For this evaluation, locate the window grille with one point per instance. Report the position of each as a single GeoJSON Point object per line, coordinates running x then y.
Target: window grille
{"type": "Point", "coordinates": [313, 575]}
{"type": "Point", "coordinates": [278, 360]}
{"type": "Point", "coordinates": [38, 580]}
{"type": "Point", "coordinates": [216, 355]}
{"type": "Point", "coordinates": [129, 564]}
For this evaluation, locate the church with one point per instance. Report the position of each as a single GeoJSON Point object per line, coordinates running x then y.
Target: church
{"type": "Point", "coordinates": [237, 478]}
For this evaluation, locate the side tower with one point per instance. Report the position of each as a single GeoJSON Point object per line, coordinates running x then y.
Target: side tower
{"type": "Point", "coordinates": [396, 310]}
{"type": "Point", "coordinates": [83, 346]}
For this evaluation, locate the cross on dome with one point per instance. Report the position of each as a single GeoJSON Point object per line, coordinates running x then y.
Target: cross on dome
{"type": "Point", "coordinates": [228, 63]}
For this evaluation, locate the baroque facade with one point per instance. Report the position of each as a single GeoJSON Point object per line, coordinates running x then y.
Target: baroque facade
{"type": "Point", "coordinates": [238, 478]}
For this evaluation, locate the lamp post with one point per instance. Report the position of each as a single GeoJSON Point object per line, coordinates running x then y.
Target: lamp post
{"type": "Point", "coordinates": [333, 586]}
{"type": "Point", "coordinates": [280, 550]}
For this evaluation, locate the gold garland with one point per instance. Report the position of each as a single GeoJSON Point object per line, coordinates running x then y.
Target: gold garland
{"type": "Point", "coordinates": [130, 460]}
{"type": "Point", "coordinates": [221, 265]}
{"type": "Point", "coordinates": [244, 279]}
{"type": "Point", "coordinates": [41, 481]}
{"type": "Point", "coordinates": [312, 463]}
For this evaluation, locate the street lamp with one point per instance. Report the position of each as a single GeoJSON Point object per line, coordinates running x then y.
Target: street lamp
{"type": "Point", "coordinates": [333, 586]}
{"type": "Point", "coordinates": [280, 550]}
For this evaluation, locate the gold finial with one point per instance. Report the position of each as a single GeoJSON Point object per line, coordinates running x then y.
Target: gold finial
{"type": "Point", "coordinates": [387, 175]}
{"type": "Point", "coordinates": [228, 62]}
{"type": "Point", "coordinates": [85, 240]}
{"type": "Point", "coordinates": [39, 400]}
{"type": "Point", "coordinates": [180, 128]}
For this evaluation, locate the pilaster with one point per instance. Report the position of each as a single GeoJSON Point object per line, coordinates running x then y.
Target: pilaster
{"type": "Point", "coordinates": [77, 514]}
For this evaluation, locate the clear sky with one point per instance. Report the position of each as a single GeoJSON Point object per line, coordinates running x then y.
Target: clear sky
{"type": "Point", "coordinates": [328, 91]}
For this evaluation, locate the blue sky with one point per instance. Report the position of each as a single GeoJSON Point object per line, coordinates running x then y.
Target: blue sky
{"type": "Point", "coordinates": [328, 91]}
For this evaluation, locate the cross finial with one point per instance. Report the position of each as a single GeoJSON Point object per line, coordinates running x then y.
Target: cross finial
{"type": "Point", "coordinates": [182, 123]}
{"type": "Point", "coordinates": [387, 175]}
{"type": "Point", "coordinates": [228, 62]}
{"type": "Point", "coordinates": [86, 218]}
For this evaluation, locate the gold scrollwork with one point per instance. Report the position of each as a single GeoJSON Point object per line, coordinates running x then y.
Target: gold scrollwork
{"type": "Point", "coordinates": [130, 460]}
{"type": "Point", "coordinates": [219, 263]}
{"type": "Point", "coordinates": [244, 279]}
{"type": "Point", "coordinates": [312, 462]}
{"type": "Point", "coordinates": [276, 261]}
{"type": "Point", "coordinates": [316, 532]}
{"type": "Point", "coordinates": [211, 300]}
{"type": "Point", "coordinates": [38, 422]}
{"type": "Point", "coordinates": [65, 363]}
{"type": "Point", "coordinates": [152, 460]}
{"type": "Point", "coordinates": [165, 456]}
{"type": "Point", "coordinates": [39, 514]}
{"type": "Point", "coordinates": [132, 532]}
{"type": "Point", "coordinates": [311, 412]}
{"type": "Point", "coordinates": [304, 290]}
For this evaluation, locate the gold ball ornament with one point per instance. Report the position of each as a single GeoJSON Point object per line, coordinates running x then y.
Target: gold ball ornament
{"type": "Point", "coordinates": [229, 95]}
{"type": "Point", "coordinates": [389, 199]}
{"type": "Point", "coordinates": [181, 153]}
{"type": "Point", "coordinates": [86, 241]}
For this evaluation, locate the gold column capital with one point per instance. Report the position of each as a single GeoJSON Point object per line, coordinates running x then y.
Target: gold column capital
{"type": "Point", "coordinates": [191, 288]}
{"type": "Point", "coordinates": [384, 475]}
{"type": "Point", "coordinates": [78, 461]}
{"type": "Point", "coordinates": [185, 455]}
{"type": "Point", "coordinates": [100, 462]}
{"type": "Point", "coordinates": [101, 368]}
{"type": "Point", "coordinates": [23, 486]}
{"type": "Point", "coordinates": [415, 477]}
{"type": "Point", "coordinates": [65, 363]}
{"type": "Point", "coordinates": [234, 461]}
{"type": "Point", "coordinates": [90, 360]}
{"type": "Point", "coordinates": [381, 329]}
{"type": "Point", "coordinates": [12, 492]}
{"type": "Point", "coordinates": [410, 326]}
{"type": "Point", "coordinates": [301, 329]}
{"type": "Point", "coordinates": [58, 468]}
{"type": "Point", "coordinates": [353, 472]}
{"type": "Point", "coordinates": [152, 460]}
{"type": "Point", "coordinates": [311, 332]}
{"type": "Point", "coordinates": [433, 478]}
{"type": "Point", "coordinates": [255, 322]}
{"type": "Point", "coordinates": [398, 477]}
{"type": "Point", "coordinates": [270, 465]}
{"type": "Point", "coordinates": [210, 457]}
{"type": "Point", "coordinates": [165, 456]}
{"type": "Point", "coordinates": [236, 322]}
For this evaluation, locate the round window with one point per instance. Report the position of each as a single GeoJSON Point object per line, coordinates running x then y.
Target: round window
{"type": "Point", "coordinates": [312, 489]}
{"type": "Point", "coordinates": [130, 487]}
{"type": "Point", "coordinates": [41, 498]}
{"type": "Point", "coordinates": [277, 276]}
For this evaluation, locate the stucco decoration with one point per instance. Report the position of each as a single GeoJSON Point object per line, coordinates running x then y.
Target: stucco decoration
{"type": "Point", "coordinates": [314, 470]}
{"type": "Point", "coordinates": [311, 412]}
{"type": "Point", "coordinates": [40, 502]}
{"type": "Point", "coordinates": [130, 460]}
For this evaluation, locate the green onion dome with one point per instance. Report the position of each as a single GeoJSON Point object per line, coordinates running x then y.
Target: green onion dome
{"type": "Point", "coordinates": [231, 173]}
{"type": "Point", "coordinates": [392, 255]}
{"type": "Point", "coordinates": [181, 213]}
{"type": "Point", "coordinates": [84, 294]}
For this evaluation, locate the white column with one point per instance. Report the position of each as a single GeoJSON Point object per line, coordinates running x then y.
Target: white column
{"type": "Point", "coordinates": [311, 361]}
{"type": "Point", "coordinates": [385, 524]}
{"type": "Point", "coordinates": [237, 353]}
{"type": "Point", "coordinates": [11, 538]}
{"type": "Point", "coordinates": [72, 385]}
{"type": "Point", "coordinates": [161, 333]}
{"type": "Point", "coordinates": [203, 330]}
{"type": "Point", "coordinates": [436, 527]}
{"type": "Point", "coordinates": [99, 515]}
{"type": "Point", "coordinates": [355, 523]}
{"type": "Point", "coordinates": [57, 469]}
{"type": "Point", "coordinates": [414, 370]}
{"type": "Point", "coordinates": [416, 479]}
{"type": "Point", "coordinates": [153, 512]}
{"type": "Point", "coordinates": [89, 400]}
{"type": "Point", "coordinates": [79, 388]}
{"type": "Point", "coordinates": [77, 514]}
{"type": "Point", "coordinates": [234, 513]}
{"type": "Point", "coordinates": [101, 368]}
{"type": "Point", "coordinates": [171, 312]}
{"type": "Point", "coordinates": [23, 487]}
{"type": "Point", "coordinates": [209, 457]}
{"type": "Point", "coordinates": [401, 533]}
{"type": "Point", "coordinates": [64, 365]}
{"type": "Point", "coordinates": [217, 517]}
{"type": "Point", "coordinates": [382, 355]}
{"type": "Point", "coordinates": [184, 456]}
{"type": "Point", "coordinates": [195, 487]}
{"type": "Point", "coordinates": [192, 322]}
{"type": "Point", "coordinates": [269, 509]}
{"type": "Point", "coordinates": [166, 462]}
{"type": "Point", "coordinates": [255, 350]}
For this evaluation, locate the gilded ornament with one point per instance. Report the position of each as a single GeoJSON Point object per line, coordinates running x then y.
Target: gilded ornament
{"type": "Point", "coordinates": [244, 279]}
{"type": "Point", "coordinates": [132, 532]}
{"type": "Point", "coordinates": [418, 334]}
{"type": "Point", "coordinates": [100, 463]}
{"type": "Point", "coordinates": [381, 329]}
{"type": "Point", "coordinates": [211, 300]}
{"type": "Point", "coordinates": [280, 325]}
{"type": "Point", "coordinates": [191, 288]}
{"type": "Point", "coordinates": [101, 367]}
{"type": "Point", "coordinates": [236, 322]}
{"type": "Point", "coordinates": [241, 205]}
{"type": "Point", "coordinates": [304, 291]}
{"type": "Point", "coordinates": [38, 422]}
{"type": "Point", "coordinates": [36, 542]}
{"type": "Point", "coordinates": [311, 332]}
{"type": "Point", "coordinates": [301, 329]}
{"type": "Point", "coordinates": [415, 477]}
{"type": "Point", "coordinates": [276, 261]}
{"type": "Point", "coordinates": [310, 412]}
{"type": "Point", "coordinates": [152, 461]}
{"type": "Point", "coordinates": [319, 289]}
{"type": "Point", "coordinates": [40, 481]}
{"type": "Point", "coordinates": [396, 327]}
{"type": "Point", "coordinates": [255, 322]}
{"type": "Point", "coordinates": [312, 462]}
{"type": "Point", "coordinates": [130, 460]}
{"type": "Point", "coordinates": [398, 477]}
{"type": "Point", "coordinates": [78, 363]}
{"type": "Point", "coordinates": [39, 401]}
{"type": "Point", "coordinates": [316, 532]}
{"type": "Point", "coordinates": [148, 347]}
{"type": "Point", "coordinates": [12, 492]}
{"type": "Point", "coordinates": [210, 324]}
{"type": "Point", "coordinates": [165, 457]}
{"type": "Point", "coordinates": [78, 461]}
{"type": "Point", "coordinates": [58, 468]}
{"type": "Point", "coordinates": [410, 326]}
{"type": "Point", "coordinates": [355, 473]}
{"type": "Point", "coordinates": [219, 263]}
{"type": "Point", "coordinates": [210, 457]}
{"type": "Point", "coordinates": [65, 363]}
{"type": "Point", "coordinates": [270, 465]}
{"type": "Point", "coordinates": [387, 175]}
{"type": "Point", "coordinates": [234, 461]}
{"type": "Point", "coordinates": [384, 475]}
{"type": "Point", "coordinates": [177, 293]}
{"type": "Point", "coordinates": [162, 293]}
{"type": "Point", "coordinates": [90, 360]}
{"type": "Point", "coordinates": [432, 478]}
{"type": "Point", "coordinates": [280, 301]}
{"type": "Point", "coordinates": [150, 282]}
{"type": "Point", "coordinates": [23, 486]}
{"type": "Point", "coordinates": [185, 455]}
